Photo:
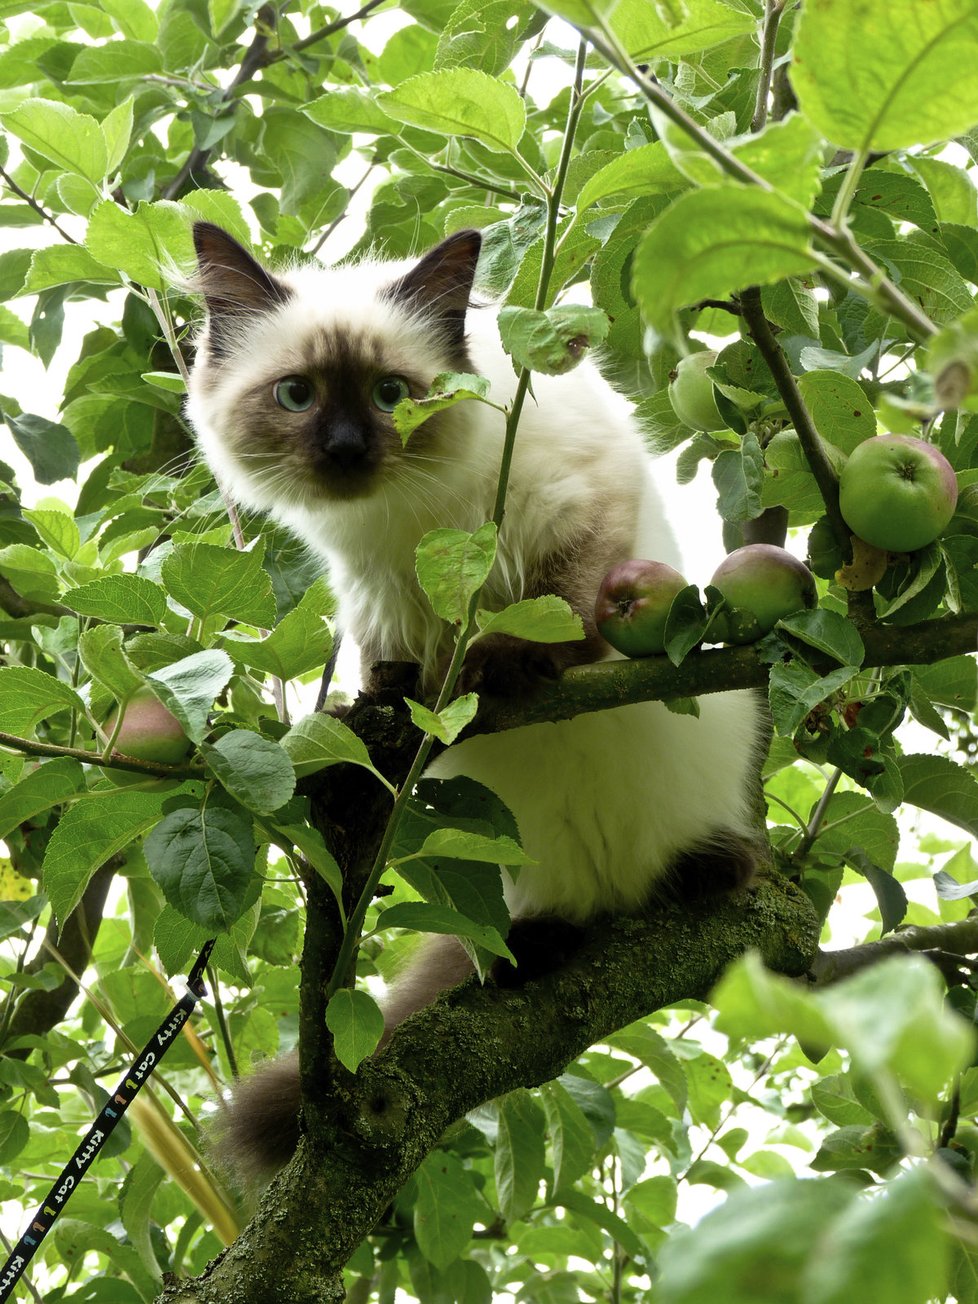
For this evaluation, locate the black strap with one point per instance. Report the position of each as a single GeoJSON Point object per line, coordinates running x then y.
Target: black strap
{"type": "Point", "coordinates": [96, 1136]}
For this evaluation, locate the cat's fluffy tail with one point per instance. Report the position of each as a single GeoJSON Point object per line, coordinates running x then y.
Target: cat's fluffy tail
{"type": "Point", "coordinates": [256, 1132]}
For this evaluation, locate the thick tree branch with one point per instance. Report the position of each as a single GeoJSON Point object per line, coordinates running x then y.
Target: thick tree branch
{"type": "Point", "coordinates": [472, 1045]}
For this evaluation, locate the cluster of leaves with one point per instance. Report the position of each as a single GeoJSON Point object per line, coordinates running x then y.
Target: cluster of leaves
{"type": "Point", "coordinates": [658, 202]}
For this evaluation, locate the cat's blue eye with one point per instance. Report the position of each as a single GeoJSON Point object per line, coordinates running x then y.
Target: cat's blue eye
{"type": "Point", "coordinates": [294, 393]}
{"type": "Point", "coordinates": [388, 392]}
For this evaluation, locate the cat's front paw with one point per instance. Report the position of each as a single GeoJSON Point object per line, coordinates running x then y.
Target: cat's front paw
{"type": "Point", "coordinates": [504, 666]}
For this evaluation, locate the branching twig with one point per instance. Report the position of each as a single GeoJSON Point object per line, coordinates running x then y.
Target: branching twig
{"type": "Point", "coordinates": [821, 468]}
{"type": "Point", "coordinates": [38, 208]}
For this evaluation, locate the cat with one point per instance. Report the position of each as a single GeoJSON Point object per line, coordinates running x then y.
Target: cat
{"type": "Point", "coordinates": [295, 376]}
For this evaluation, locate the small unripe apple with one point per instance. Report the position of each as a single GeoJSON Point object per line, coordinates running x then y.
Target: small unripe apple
{"type": "Point", "coordinates": [149, 731]}
{"type": "Point", "coordinates": [897, 492]}
{"type": "Point", "coordinates": [763, 584]}
{"type": "Point", "coordinates": [633, 603]}
{"type": "Point", "coordinates": [691, 393]}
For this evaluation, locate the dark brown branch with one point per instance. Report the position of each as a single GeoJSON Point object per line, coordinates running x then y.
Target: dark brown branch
{"type": "Point", "coordinates": [148, 769]}
{"type": "Point", "coordinates": [256, 57]}
{"type": "Point", "coordinates": [17, 606]}
{"type": "Point", "coordinates": [38, 208]}
{"type": "Point", "coordinates": [809, 438]}
{"type": "Point", "coordinates": [960, 938]}
{"type": "Point", "coordinates": [39, 1011]}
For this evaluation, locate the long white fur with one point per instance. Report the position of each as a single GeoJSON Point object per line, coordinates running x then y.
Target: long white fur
{"type": "Point", "coordinates": [603, 801]}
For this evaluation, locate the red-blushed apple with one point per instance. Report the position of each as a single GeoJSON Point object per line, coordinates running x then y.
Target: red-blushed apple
{"type": "Point", "coordinates": [762, 583]}
{"type": "Point", "coordinates": [691, 393]}
{"type": "Point", "coordinates": [149, 731]}
{"type": "Point", "coordinates": [897, 492]}
{"type": "Point", "coordinates": [633, 603]}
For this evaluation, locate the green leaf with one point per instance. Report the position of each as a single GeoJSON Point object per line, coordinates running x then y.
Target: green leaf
{"type": "Point", "coordinates": [51, 449]}
{"type": "Point", "coordinates": [204, 860]}
{"type": "Point", "coordinates": [28, 696]}
{"type": "Point", "coordinates": [166, 380]}
{"type": "Point", "coordinates": [31, 571]}
{"type": "Point", "coordinates": [348, 109]}
{"type": "Point", "coordinates": [89, 833]}
{"type": "Point", "coordinates": [752, 1003]}
{"type": "Point", "coordinates": [357, 1025]}
{"type": "Point", "coordinates": [712, 243]}
{"type": "Point", "coordinates": [460, 102]}
{"type": "Point", "coordinates": [446, 1208]}
{"type": "Point", "coordinates": [142, 244]}
{"type": "Point", "coordinates": [320, 740]}
{"type": "Point", "coordinates": [890, 1247]}
{"type": "Point", "coordinates": [659, 31]}
{"type": "Point", "coordinates": [115, 63]}
{"type": "Point", "coordinates": [64, 265]}
{"type": "Point", "coordinates": [425, 918]}
{"type": "Point", "coordinates": [547, 619]}
{"type": "Point", "coordinates": [892, 1017]}
{"type": "Point", "coordinates": [738, 475]}
{"type": "Point", "coordinates": [828, 632]}
{"type": "Point", "coordinates": [14, 1134]}
{"type": "Point", "coordinates": [572, 1139]}
{"type": "Point", "coordinates": [752, 1249]}
{"type": "Point", "coordinates": [300, 642]}
{"type": "Point", "coordinates": [452, 566]}
{"type": "Point", "coordinates": [448, 723]}
{"type": "Point", "coordinates": [938, 784]}
{"type": "Point", "coordinates": [645, 170]}
{"type": "Point", "coordinates": [254, 770]}
{"type": "Point", "coordinates": [463, 845]}
{"type": "Point", "coordinates": [654, 1199]}
{"type": "Point", "coordinates": [121, 599]}
{"type": "Point", "coordinates": [57, 529]}
{"type": "Point", "coordinates": [890, 895]}
{"type": "Point", "coordinates": [519, 1153]}
{"type": "Point", "coordinates": [447, 389]}
{"type": "Point", "coordinates": [208, 580]}
{"type": "Point", "coordinates": [58, 132]}
{"type": "Point", "coordinates": [873, 79]}
{"type": "Point", "coordinates": [840, 408]}
{"type": "Point", "coordinates": [189, 687]}
{"type": "Point", "coordinates": [104, 657]}
{"type": "Point", "coordinates": [554, 341]}
{"type": "Point", "coordinates": [40, 789]}
{"type": "Point", "coordinates": [794, 690]}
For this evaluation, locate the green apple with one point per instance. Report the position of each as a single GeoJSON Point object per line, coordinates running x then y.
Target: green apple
{"type": "Point", "coordinates": [149, 732]}
{"type": "Point", "coordinates": [633, 603]}
{"type": "Point", "coordinates": [691, 392]}
{"type": "Point", "coordinates": [762, 583]}
{"type": "Point", "coordinates": [897, 492]}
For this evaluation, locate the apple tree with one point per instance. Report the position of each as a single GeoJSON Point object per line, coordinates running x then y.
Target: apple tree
{"type": "Point", "coordinates": [769, 1098]}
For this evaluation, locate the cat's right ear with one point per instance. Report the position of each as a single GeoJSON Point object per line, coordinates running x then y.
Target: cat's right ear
{"type": "Point", "coordinates": [232, 282]}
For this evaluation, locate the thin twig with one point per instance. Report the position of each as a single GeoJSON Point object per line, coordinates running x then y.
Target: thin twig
{"type": "Point", "coordinates": [38, 208]}
{"type": "Point", "coordinates": [772, 20]}
{"type": "Point", "coordinates": [821, 468]}
{"type": "Point", "coordinates": [818, 815]}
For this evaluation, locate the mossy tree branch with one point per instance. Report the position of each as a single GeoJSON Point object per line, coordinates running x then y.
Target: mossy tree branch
{"type": "Point", "coordinates": [472, 1045]}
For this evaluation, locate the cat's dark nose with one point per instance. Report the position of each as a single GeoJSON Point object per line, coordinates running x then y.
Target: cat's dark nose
{"type": "Point", "coordinates": [345, 445]}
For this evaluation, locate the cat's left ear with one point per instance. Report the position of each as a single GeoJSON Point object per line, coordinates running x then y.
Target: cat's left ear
{"type": "Point", "coordinates": [440, 284]}
{"type": "Point", "coordinates": [233, 283]}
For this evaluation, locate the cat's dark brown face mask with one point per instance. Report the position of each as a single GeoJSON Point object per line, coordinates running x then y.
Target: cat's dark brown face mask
{"type": "Point", "coordinates": [325, 426]}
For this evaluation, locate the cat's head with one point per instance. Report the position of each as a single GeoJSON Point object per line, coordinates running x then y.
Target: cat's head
{"type": "Point", "coordinates": [297, 373]}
